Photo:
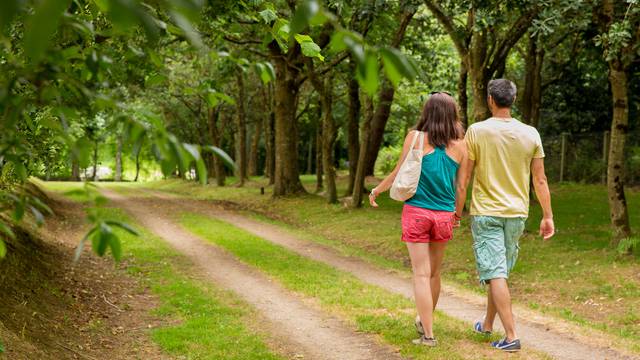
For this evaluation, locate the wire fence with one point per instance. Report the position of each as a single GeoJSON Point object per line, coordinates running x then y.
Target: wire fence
{"type": "Point", "coordinates": [583, 158]}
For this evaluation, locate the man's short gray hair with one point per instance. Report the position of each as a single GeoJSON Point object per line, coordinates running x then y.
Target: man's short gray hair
{"type": "Point", "coordinates": [503, 92]}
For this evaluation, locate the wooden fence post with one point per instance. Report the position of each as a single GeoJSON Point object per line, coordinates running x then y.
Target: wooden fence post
{"type": "Point", "coordinates": [563, 155]}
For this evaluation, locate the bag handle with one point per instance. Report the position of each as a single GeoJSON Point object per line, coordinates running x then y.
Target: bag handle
{"type": "Point", "coordinates": [415, 137]}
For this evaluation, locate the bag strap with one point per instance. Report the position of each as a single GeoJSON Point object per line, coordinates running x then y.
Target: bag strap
{"type": "Point", "coordinates": [415, 137]}
{"type": "Point", "coordinates": [421, 141]}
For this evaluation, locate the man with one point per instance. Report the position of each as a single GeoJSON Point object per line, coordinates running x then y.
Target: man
{"type": "Point", "coordinates": [504, 154]}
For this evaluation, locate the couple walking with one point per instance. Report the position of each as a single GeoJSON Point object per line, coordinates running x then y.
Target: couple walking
{"type": "Point", "coordinates": [503, 153]}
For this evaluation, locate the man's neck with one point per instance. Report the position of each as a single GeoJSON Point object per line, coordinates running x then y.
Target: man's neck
{"type": "Point", "coordinates": [502, 113]}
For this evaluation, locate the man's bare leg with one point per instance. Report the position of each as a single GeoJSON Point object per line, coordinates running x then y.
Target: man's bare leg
{"type": "Point", "coordinates": [502, 301]}
{"type": "Point", "coordinates": [490, 316]}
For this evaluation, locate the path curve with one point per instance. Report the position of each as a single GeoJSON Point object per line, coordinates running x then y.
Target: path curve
{"type": "Point", "coordinates": [312, 333]}
{"type": "Point", "coordinates": [538, 335]}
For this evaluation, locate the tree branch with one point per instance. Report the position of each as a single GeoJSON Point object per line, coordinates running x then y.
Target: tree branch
{"type": "Point", "coordinates": [459, 41]}
{"type": "Point", "coordinates": [517, 30]}
{"type": "Point", "coordinates": [240, 41]}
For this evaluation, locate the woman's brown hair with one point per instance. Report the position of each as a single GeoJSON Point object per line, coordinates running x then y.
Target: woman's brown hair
{"type": "Point", "coordinates": [440, 120]}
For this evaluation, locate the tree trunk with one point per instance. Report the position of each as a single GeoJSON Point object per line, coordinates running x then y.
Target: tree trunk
{"type": "Point", "coordinates": [287, 176]}
{"type": "Point", "coordinates": [377, 126]}
{"type": "Point", "coordinates": [270, 159]}
{"type": "Point", "coordinates": [615, 171]}
{"type": "Point", "coordinates": [95, 161]}
{"type": "Point", "coordinates": [479, 76]}
{"type": "Point", "coordinates": [385, 98]}
{"type": "Point", "coordinates": [118, 175]}
{"type": "Point", "coordinates": [253, 154]}
{"type": "Point", "coordinates": [214, 136]}
{"type": "Point", "coordinates": [75, 170]}
{"type": "Point", "coordinates": [353, 124]}
{"type": "Point", "coordinates": [462, 93]}
{"type": "Point", "coordinates": [319, 167]}
{"type": "Point", "coordinates": [358, 186]}
{"type": "Point", "coordinates": [310, 155]}
{"type": "Point", "coordinates": [532, 93]}
{"type": "Point", "coordinates": [137, 166]}
{"type": "Point", "coordinates": [241, 131]}
{"type": "Point", "coordinates": [324, 87]}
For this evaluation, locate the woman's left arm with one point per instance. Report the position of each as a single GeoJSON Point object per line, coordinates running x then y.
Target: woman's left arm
{"type": "Point", "coordinates": [462, 179]}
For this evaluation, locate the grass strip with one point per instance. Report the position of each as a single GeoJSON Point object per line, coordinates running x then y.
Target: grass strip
{"type": "Point", "coordinates": [372, 309]}
{"type": "Point", "coordinates": [209, 323]}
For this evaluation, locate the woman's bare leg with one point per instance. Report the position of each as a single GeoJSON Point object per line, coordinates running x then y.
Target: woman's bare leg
{"type": "Point", "coordinates": [420, 264]}
{"type": "Point", "coordinates": [436, 254]}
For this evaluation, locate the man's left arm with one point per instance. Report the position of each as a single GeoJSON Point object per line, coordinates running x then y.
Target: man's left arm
{"type": "Point", "coordinates": [541, 187]}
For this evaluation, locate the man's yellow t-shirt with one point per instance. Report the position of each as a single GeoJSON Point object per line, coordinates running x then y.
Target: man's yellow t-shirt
{"type": "Point", "coordinates": [502, 150]}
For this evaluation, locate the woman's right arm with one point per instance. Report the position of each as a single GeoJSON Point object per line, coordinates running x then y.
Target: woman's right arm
{"type": "Point", "coordinates": [388, 181]}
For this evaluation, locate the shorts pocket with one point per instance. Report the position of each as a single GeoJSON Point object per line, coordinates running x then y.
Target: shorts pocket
{"type": "Point", "coordinates": [443, 230]}
{"type": "Point", "coordinates": [483, 255]}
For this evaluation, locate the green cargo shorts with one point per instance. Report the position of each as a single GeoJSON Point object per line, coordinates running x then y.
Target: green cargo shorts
{"type": "Point", "coordinates": [495, 244]}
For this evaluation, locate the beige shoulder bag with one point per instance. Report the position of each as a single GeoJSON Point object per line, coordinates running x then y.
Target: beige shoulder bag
{"type": "Point", "coordinates": [406, 181]}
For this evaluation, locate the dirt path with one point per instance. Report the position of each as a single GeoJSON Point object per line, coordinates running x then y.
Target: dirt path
{"type": "Point", "coordinates": [312, 334]}
{"type": "Point", "coordinates": [539, 332]}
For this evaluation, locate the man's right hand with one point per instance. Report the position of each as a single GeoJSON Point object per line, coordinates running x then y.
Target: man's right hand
{"type": "Point", "coordinates": [547, 228]}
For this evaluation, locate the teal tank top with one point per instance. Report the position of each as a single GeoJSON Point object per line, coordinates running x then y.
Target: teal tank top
{"type": "Point", "coordinates": [437, 188]}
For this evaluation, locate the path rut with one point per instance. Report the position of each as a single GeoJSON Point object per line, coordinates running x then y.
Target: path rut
{"type": "Point", "coordinates": [312, 333]}
{"type": "Point", "coordinates": [558, 343]}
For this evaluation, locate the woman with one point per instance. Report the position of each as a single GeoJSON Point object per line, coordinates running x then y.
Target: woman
{"type": "Point", "coordinates": [429, 216]}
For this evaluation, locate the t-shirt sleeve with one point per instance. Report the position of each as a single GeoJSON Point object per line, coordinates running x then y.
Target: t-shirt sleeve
{"type": "Point", "coordinates": [538, 152]}
{"type": "Point", "coordinates": [470, 140]}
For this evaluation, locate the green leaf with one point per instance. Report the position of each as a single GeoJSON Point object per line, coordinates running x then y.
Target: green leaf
{"type": "Point", "coordinates": [116, 248]}
{"type": "Point", "coordinates": [37, 215]}
{"type": "Point", "coordinates": [311, 49]}
{"type": "Point", "coordinates": [280, 32]}
{"type": "Point", "coordinates": [154, 80]}
{"type": "Point", "coordinates": [3, 253]}
{"type": "Point", "coordinates": [18, 210]}
{"type": "Point", "coordinates": [8, 9]}
{"type": "Point", "coordinates": [189, 31]}
{"type": "Point", "coordinates": [397, 65]}
{"type": "Point", "coordinates": [192, 150]}
{"type": "Point", "coordinates": [41, 26]}
{"type": "Point", "coordinates": [308, 47]}
{"type": "Point", "coordinates": [6, 230]}
{"type": "Point", "coordinates": [367, 73]}
{"type": "Point", "coordinates": [80, 247]}
{"type": "Point", "coordinates": [226, 159]}
{"type": "Point", "coordinates": [123, 226]}
{"type": "Point", "coordinates": [21, 170]}
{"type": "Point", "coordinates": [303, 15]}
{"type": "Point", "coordinates": [201, 169]}
{"type": "Point", "coordinates": [268, 16]}
{"type": "Point", "coordinates": [82, 151]}
{"type": "Point", "coordinates": [100, 239]}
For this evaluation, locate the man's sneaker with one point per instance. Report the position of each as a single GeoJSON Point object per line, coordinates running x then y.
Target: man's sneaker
{"type": "Point", "coordinates": [511, 346]}
{"type": "Point", "coordinates": [425, 341]}
{"type": "Point", "coordinates": [477, 327]}
{"type": "Point", "coordinates": [419, 326]}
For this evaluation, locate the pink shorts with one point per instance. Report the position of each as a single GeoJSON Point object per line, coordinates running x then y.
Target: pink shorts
{"type": "Point", "coordinates": [421, 225]}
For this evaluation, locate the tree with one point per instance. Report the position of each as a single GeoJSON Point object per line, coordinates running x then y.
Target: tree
{"type": "Point", "coordinates": [483, 42]}
{"type": "Point", "coordinates": [620, 38]}
{"type": "Point", "coordinates": [386, 93]}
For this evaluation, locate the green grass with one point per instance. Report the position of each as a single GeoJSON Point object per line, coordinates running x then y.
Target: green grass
{"type": "Point", "coordinates": [371, 308]}
{"type": "Point", "coordinates": [211, 323]}
{"type": "Point", "coordinates": [577, 272]}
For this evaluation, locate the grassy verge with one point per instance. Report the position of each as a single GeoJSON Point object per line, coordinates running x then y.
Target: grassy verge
{"type": "Point", "coordinates": [577, 275]}
{"type": "Point", "coordinates": [372, 309]}
{"type": "Point", "coordinates": [210, 323]}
